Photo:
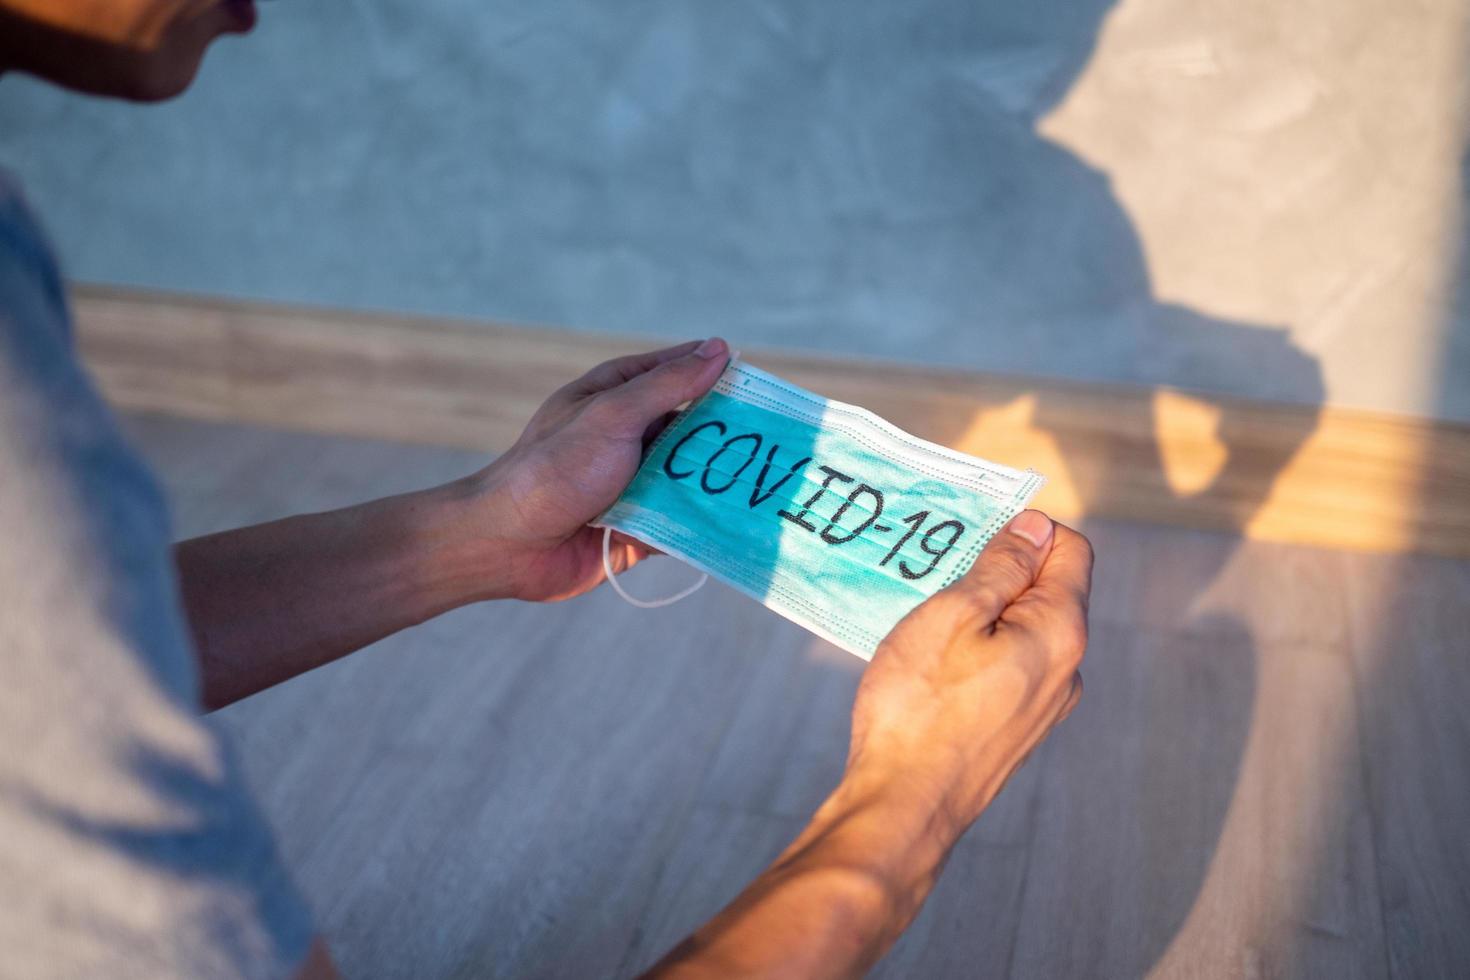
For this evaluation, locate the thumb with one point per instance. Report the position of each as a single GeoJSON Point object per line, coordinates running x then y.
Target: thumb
{"type": "Point", "coordinates": [1008, 566]}
{"type": "Point", "coordinates": [630, 408]}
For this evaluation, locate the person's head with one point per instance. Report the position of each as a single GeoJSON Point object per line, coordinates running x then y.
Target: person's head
{"type": "Point", "coordinates": [134, 49]}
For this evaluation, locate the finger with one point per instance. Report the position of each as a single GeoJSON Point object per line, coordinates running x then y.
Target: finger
{"type": "Point", "coordinates": [626, 411]}
{"type": "Point", "coordinates": [619, 370]}
{"type": "Point", "coordinates": [1058, 600]}
{"type": "Point", "coordinates": [1073, 696]}
{"type": "Point", "coordinates": [641, 548]}
{"type": "Point", "coordinates": [1006, 568]}
{"type": "Point", "coordinates": [624, 552]}
{"type": "Point", "coordinates": [1054, 610]}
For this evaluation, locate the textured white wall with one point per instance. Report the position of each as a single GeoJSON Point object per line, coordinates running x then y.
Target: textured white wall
{"type": "Point", "coordinates": [1255, 197]}
{"type": "Point", "coordinates": [1296, 164]}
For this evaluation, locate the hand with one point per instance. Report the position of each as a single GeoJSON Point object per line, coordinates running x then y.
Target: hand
{"type": "Point", "coordinates": [954, 700]}
{"type": "Point", "coordinates": [577, 454]}
{"type": "Point", "coordinates": [965, 686]}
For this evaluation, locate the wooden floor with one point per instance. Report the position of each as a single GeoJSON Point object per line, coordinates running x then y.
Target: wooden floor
{"type": "Point", "coordinates": [1269, 774]}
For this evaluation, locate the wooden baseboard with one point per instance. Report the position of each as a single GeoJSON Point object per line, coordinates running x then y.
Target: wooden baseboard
{"type": "Point", "coordinates": [1323, 476]}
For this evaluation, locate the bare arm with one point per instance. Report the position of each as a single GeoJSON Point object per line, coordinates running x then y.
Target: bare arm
{"type": "Point", "coordinates": [955, 700]}
{"type": "Point", "coordinates": [834, 901]}
{"type": "Point", "coordinates": [268, 602]}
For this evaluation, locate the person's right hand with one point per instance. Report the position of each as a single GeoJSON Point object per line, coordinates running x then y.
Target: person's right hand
{"type": "Point", "coordinates": [971, 681]}
{"type": "Point", "coordinates": [957, 695]}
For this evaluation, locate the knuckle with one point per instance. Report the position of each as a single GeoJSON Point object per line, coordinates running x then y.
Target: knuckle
{"type": "Point", "coordinates": [601, 376]}
{"type": "Point", "coordinates": [1074, 695]}
{"type": "Point", "coordinates": [983, 601]}
{"type": "Point", "coordinates": [668, 381]}
{"type": "Point", "coordinates": [1008, 568]}
{"type": "Point", "coordinates": [606, 409]}
{"type": "Point", "coordinates": [1079, 543]}
{"type": "Point", "coordinates": [677, 368]}
{"type": "Point", "coordinates": [964, 602]}
{"type": "Point", "coordinates": [598, 373]}
{"type": "Point", "coordinates": [1061, 632]}
{"type": "Point", "coordinates": [1071, 638]}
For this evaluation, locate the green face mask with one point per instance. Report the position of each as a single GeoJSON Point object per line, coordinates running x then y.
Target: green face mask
{"type": "Point", "coordinates": [820, 510]}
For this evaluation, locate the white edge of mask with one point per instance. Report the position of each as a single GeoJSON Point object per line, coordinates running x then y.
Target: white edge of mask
{"type": "Point", "coordinates": [941, 457]}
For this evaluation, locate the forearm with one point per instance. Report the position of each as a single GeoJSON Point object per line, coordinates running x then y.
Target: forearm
{"type": "Point", "coordinates": [268, 602]}
{"type": "Point", "coordinates": [834, 901]}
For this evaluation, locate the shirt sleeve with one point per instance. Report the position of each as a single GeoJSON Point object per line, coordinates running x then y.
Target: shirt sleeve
{"type": "Point", "coordinates": [129, 844]}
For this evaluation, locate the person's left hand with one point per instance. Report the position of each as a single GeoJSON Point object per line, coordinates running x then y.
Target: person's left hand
{"type": "Point", "coordinates": [577, 454]}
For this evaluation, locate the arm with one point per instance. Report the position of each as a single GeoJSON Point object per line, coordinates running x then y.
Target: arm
{"type": "Point", "coordinates": [268, 602]}
{"type": "Point", "coordinates": [834, 901]}
{"type": "Point", "coordinates": [954, 701]}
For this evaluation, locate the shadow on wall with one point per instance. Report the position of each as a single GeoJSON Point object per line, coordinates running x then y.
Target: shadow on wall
{"type": "Point", "coordinates": [885, 192]}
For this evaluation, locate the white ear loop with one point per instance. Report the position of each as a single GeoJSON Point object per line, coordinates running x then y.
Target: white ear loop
{"type": "Point", "coordinates": [641, 603]}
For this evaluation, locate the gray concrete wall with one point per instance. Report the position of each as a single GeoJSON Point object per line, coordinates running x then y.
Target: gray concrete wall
{"type": "Point", "coordinates": [1254, 198]}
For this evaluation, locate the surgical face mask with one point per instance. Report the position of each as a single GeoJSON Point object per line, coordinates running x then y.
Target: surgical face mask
{"type": "Point", "coordinates": [819, 510]}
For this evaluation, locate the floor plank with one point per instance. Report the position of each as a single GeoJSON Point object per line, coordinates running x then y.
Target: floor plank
{"type": "Point", "coordinates": [721, 849]}
{"type": "Point", "coordinates": [1218, 831]}
{"type": "Point", "coordinates": [1410, 628]}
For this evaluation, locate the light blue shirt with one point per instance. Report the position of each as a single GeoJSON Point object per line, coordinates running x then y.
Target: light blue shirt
{"type": "Point", "coordinates": [129, 846]}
